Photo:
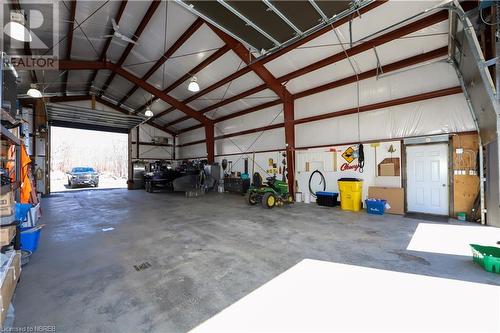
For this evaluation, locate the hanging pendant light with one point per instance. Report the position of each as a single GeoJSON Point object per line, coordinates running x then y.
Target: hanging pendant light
{"type": "Point", "coordinates": [15, 28]}
{"type": "Point", "coordinates": [34, 92]}
{"type": "Point", "coordinates": [148, 113]}
{"type": "Point", "coordinates": [193, 85]}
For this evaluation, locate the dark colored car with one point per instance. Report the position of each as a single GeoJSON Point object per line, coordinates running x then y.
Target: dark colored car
{"type": "Point", "coordinates": [83, 176]}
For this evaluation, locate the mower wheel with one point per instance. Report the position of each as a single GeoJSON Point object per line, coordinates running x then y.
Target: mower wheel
{"type": "Point", "coordinates": [289, 198]}
{"type": "Point", "coordinates": [269, 200]}
{"type": "Point", "coordinates": [252, 199]}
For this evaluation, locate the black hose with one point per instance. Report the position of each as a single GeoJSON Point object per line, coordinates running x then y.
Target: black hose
{"type": "Point", "coordinates": [322, 181]}
{"type": "Point", "coordinates": [361, 158]}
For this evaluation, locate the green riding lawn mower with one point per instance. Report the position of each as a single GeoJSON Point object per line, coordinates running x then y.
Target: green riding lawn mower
{"type": "Point", "coordinates": [270, 194]}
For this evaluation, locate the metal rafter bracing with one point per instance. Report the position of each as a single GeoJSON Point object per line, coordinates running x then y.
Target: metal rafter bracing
{"type": "Point", "coordinates": [367, 45]}
{"type": "Point", "coordinates": [282, 16]}
{"type": "Point", "coordinates": [104, 51]}
{"type": "Point", "coordinates": [248, 22]}
{"type": "Point", "coordinates": [69, 42]}
{"type": "Point", "coordinates": [172, 49]}
{"type": "Point", "coordinates": [140, 28]}
{"type": "Point", "coordinates": [280, 52]}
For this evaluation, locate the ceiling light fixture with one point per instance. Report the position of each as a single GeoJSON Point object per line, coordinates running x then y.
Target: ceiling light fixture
{"type": "Point", "coordinates": [16, 29]}
{"type": "Point", "coordinates": [193, 85]}
{"type": "Point", "coordinates": [148, 113]}
{"type": "Point", "coordinates": [34, 92]}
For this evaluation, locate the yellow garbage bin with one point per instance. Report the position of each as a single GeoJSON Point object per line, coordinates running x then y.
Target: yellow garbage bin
{"type": "Point", "coordinates": [350, 193]}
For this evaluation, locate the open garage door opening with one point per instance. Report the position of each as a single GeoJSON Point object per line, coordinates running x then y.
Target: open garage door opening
{"type": "Point", "coordinates": [85, 159]}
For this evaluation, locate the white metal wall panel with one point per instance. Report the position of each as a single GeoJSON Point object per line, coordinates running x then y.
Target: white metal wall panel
{"type": "Point", "coordinates": [370, 22]}
{"type": "Point", "coordinates": [194, 151]}
{"type": "Point", "coordinates": [118, 88]}
{"type": "Point", "coordinates": [265, 117]}
{"type": "Point", "coordinates": [384, 16]}
{"type": "Point", "coordinates": [274, 139]}
{"type": "Point", "coordinates": [436, 116]}
{"type": "Point", "coordinates": [191, 136]}
{"type": "Point", "coordinates": [242, 104]}
{"type": "Point", "coordinates": [433, 76]}
{"type": "Point", "coordinates": [241, 84]}
{"type": "Point", "coordinates": [185, 124]}
{"type": "Point", "coordinates": [216, 71]}
{"type": "Point", "coordinates": [389, 52]}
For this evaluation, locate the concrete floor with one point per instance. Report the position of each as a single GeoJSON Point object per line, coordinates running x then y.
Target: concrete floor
{"type": "Point", "coordinates": [205, 254]}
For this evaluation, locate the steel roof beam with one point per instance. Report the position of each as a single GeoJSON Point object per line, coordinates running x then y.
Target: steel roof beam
{"type": "Point", "coordinates": [69, 41]}
{"type": "Point", "coordinates": [192, 9]}
{"type": "Point", "coordinates": [272, 56]}
{"type": "Point", "coordinates": [282, 16]}
{"type": "Point", "coordinates": [367, 45]}
{"type": "Point", "coordinates": [318, 10]}
{"type": "Point", "coordinates": [248, 22]}
{"type": "Point", "coordinates": [172, 49]}
{"type": "Point", "coordinates": [104, 51]}
{"type": "Point", "coordinates": [140, 28]}
{"type": "Point", "coordinates": [272, 83]}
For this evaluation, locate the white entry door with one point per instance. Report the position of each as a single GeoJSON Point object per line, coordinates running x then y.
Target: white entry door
{"type": "Point", "coordinates": [427, 179]}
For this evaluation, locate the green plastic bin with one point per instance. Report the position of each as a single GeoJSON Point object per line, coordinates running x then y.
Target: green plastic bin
{"type": "Point", "coordinates": [486, 256]}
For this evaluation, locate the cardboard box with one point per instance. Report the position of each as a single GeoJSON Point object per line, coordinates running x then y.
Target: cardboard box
{"type": "Point", "coordinates": [395, 197]}
{"type": "Point", "coordinates": [389, 167]}
{"type": "Point", "coordinates": [6, 235]}
{"type": "Point", "coordinates": [9, 285]}
{"type": "Point", "coordinates": [6, 203]}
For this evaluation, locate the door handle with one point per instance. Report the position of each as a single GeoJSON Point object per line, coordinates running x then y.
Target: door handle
{"type": "Point", "coordinates": [444, 185]}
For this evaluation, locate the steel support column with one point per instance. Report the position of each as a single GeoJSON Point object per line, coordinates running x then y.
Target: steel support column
{"type": "Point", "coordinates": [289, 117]}
{"type": "Point", "coordinates": [210, 142]}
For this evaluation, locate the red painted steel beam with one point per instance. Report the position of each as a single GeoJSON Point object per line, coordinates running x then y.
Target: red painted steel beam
{"type": "Point", "coordinates": [443, 51]}
{"type": "Point", "coordinates": [175, 46]}
{"type": "Point", "coordinates": [262, 72]}
{"type": "Point", "coordinates": [104, 51]}
{"type": "Point", "coordinates": [365, 46]}
{"type": "Point", "coordinates": [210, 143]}
{"type": "Point", "coordinates": [350, 111]}
{"type": "Point", "coordinates": [140, 28]}
{"type": "Point", "coordinates": [69, 42]}
{"type": "Point", "coordinates": [167, 98]}
{"type": "Point", "coordinates": [284, 50]}
{"type": "Point", "coordinates": [141, 83]}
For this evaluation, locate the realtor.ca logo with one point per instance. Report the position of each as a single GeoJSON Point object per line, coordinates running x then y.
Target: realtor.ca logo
{"type": "Point", "coordinates": [30, 33]}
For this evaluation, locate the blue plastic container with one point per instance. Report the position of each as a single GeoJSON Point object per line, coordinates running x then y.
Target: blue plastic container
{"type": "Point", "coordinates": [375, 207]}
{"type": "Point", "coordinates": [22, 211]}
{"type": "Point", "coordinates": [328, 199]}
{"type": "Point", "coordinates": [29, 238]}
